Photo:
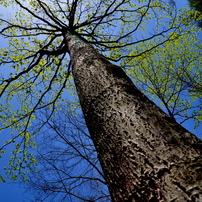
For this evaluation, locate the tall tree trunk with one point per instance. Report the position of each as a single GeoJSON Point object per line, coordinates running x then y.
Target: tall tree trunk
{"type": "Point", "coordinates": [145, 155]}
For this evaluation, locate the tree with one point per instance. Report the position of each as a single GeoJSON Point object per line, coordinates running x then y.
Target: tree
{"type": "Point", "coordinates": [176, 83]}
{"type": "Point", "coordinates": [68, 168]}
{"type": "Point", "coordinates": [145, 155]}
{"type": "Point", "coordinates": [197, 6]}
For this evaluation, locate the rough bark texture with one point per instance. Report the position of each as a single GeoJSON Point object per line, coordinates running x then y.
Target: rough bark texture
{"type": "Point", "coordinates": [145, 155]}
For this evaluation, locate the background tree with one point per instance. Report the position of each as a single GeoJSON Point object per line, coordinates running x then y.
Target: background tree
{"type": "Point", "coordinates": [68, 168]}
{"type": "Point", "coordinates": [197, 6]}
{"type": "Point", "coordinates": [171, 75]}
{"type": "Point", "coordinates": [134, 162]}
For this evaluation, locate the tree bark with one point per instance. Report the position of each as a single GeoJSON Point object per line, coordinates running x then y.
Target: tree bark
{"type": "Point", "coordinates": [145, 155]}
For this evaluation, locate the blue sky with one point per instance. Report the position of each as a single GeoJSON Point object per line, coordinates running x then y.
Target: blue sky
{"type": "Point", "coordinates": [11, 192]}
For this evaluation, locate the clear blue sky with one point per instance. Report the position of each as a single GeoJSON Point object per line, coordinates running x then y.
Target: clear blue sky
{"type": "Point", "coordinates": [10, 192]}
